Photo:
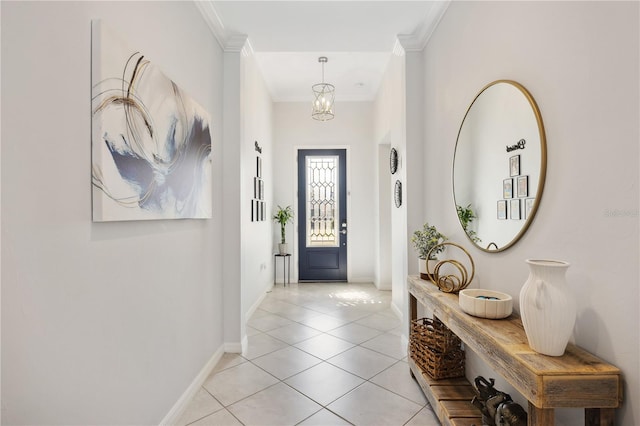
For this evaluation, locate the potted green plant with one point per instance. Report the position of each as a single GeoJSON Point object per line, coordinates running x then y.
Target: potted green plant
{"type": "Point", "coordinates": [466, 216]}
{"type": "Point", "coordinates": [424, 240]}
{"type": "Point", "coordinates": [283, 216]}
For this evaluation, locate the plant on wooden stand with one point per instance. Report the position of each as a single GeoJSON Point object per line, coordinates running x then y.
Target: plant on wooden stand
{"type": "Point", "coordinates": [283, 216]}
{"type": "Point", "coordinates": [424, 240]}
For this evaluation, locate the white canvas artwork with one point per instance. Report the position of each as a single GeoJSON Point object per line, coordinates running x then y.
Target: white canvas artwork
{"type": "Point", "coordinates": [151, 144]}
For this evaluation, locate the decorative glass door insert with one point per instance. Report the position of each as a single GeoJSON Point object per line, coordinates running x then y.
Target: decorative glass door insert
{"type": "Point", "coordinates": [322, 193]}
{"type": "Point", "coordinates": [322, 215]}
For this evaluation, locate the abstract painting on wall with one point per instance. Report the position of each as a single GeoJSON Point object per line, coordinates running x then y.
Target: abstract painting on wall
{"type": "Point", "coordinates": [151, 143]}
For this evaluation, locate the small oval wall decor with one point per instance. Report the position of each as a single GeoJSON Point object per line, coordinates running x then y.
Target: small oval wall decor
{"type": "Point", "coordinates": [398, 193]}
{"type": "Point", "coordinates": [393, 161]}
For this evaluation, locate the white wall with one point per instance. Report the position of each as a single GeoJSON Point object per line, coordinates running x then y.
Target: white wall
{"type": "Point", "coordinates": [399, 122]}
{"type": "Point", "coordinates": [232, 184]}
{"type": "Point", "coordinates": [580, 61]}
{"type": "Point", "coordinates": [256, 237]}
{"type": "Point", "coordinates": [102, 323]}
{"type": "Point", "coordinates": [351, 129]}
{"type": "Point", "coordinates": [389, 129]}
{"type": "Point", "coordinates": [384, 204]}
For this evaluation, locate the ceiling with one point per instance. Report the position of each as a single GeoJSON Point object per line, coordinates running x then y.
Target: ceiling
{"type": "Point", "coordinates": [357, 37]}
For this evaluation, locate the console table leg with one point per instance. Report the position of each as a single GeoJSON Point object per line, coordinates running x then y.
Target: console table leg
{"type": "Point", "coordinates": [599, 416]}
{"type": "Point", "coordinates": [413, 307]}
{"type": "Point", "coordinates": [413, 315]}
{"type": "Point", "coordinates": [540, 416]}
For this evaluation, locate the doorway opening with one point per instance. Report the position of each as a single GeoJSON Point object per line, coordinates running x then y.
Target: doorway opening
{"type": "Point", "coordinates": [322, 215]}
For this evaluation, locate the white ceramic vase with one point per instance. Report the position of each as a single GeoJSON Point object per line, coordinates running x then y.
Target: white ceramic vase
{"type": "Point", "coordinates": [422, 267]}
{"type": "Point", "coordinates": [547, 308]}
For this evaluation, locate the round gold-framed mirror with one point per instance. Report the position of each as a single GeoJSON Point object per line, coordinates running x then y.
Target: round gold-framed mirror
{"type": "Point", "coordinates": [499, 165]}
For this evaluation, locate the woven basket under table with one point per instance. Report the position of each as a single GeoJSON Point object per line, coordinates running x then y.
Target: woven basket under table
{"type": "Point", "coordinates": [436, 349]}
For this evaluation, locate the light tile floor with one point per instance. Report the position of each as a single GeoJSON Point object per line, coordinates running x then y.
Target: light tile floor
{"type": "Point", "coordinates": [318, 354]}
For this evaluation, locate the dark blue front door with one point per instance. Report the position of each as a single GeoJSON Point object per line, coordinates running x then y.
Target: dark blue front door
{"type": "Point", "coordinates": [322, 214]}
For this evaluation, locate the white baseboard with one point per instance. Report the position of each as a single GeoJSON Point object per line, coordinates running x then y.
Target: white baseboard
{"type": "Point", "coordinates": [404, 341]}
{"type": "Point", "coordinates": [360, 280]}
{"type": "Point", "coordinates": [174, 414]}
{"type": "Point", "coordinates": [234, 347]}
{"type": "Point", "coordinates": [257, 303]}
{"type": "Point", "coordinates": [396, 310]}
{"type": "Point", "coordinates": [239, 347]}
{"type": "Point", "coordinates": [384, 286]}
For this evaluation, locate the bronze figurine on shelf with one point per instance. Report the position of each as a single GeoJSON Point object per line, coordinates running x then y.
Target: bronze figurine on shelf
{"type": "Point", "coordinates": [450, 283]}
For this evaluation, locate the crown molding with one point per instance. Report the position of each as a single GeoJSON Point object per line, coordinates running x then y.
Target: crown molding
{"type": "Point", "coordinates": [238, 43]}
{"type": "Point", "coordinates": [419, 39]}
{"type": "Point", "coordinates": [398, 47]}
{"type": "Point", "coordinates": [212, 19]}
{"type": "Point", "coordinates": [228, 42]}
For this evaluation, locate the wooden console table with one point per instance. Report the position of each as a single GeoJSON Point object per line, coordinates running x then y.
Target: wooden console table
{"type": "Point", "coordinates": [577, 379]}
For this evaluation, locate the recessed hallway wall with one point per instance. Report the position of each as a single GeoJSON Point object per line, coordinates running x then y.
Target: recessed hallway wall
{"type": "Point", "coordinates": [352, 128]}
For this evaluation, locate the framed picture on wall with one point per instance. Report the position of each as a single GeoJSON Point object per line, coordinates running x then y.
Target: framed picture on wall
{"type": "Point", "coordinates": [507, 188]}
{"type": "Point", "coordinates": [523, 186]}
{"type": "Point", "coordinates": [156, 174]}
{"type": "Point", "coordinates": [528, 206]}
{"type": "Point", "coordinates": [514, 165]}
{"type": "Point", "coordinates": [514, 209]}
{"type": "Point", "coordinates": [502, 209]}
{"type": "Point", "coordinates": [259, 167]}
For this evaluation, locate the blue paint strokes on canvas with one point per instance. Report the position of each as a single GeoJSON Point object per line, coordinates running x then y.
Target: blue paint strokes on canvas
{"type": "Point", "coordinates": [157, 185]}
{"type": "Point", "coordinates": [132, 168]}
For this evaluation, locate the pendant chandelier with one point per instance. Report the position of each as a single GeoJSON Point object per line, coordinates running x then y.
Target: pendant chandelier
{"type": "Point", "coordinates": [323, 97]}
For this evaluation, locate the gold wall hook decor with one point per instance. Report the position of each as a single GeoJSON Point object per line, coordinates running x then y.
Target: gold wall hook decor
{"type": "Point", "coordinates": [451, 283]}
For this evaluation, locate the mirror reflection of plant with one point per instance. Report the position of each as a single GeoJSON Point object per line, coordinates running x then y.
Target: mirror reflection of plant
{"type": "Point", "coordinates": [283, 216]}
{"type": "Point", "coordinates": [466, 216]}
{"type": "Point", "coordinates": [426, 239]}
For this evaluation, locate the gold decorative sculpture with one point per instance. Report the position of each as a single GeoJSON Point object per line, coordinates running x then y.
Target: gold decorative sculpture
{"type": "Point", "coordinates": [451, 283]}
